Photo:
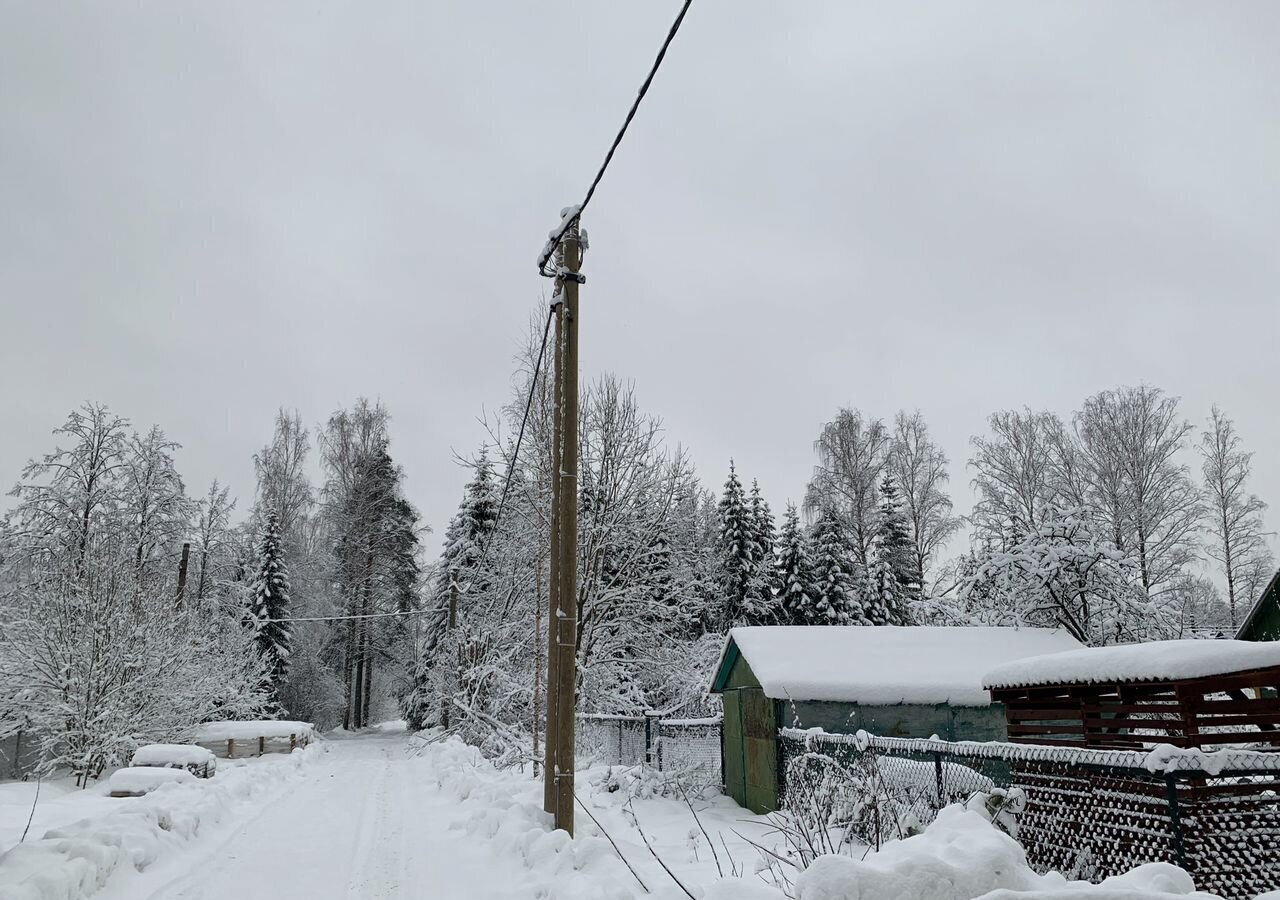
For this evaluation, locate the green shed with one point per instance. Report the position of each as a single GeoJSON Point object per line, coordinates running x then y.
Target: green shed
{"type": "Point", "coordinates": [1263, 621]}
{"type": "Point", "coordinates": [896, 681]}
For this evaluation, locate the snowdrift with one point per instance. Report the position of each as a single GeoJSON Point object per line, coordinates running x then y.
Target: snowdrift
{"type": "Point", "coordinates": [72, 862]}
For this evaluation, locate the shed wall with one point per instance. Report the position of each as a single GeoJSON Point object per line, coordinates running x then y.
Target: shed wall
{"type": "Point", "coordinates": [952, 723]}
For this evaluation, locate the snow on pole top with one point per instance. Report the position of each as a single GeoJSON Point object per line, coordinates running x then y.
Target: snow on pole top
{"type": "Point", "coordinates": [1155, 661]}
{"type": "Point", "coordinates": [882, 665]}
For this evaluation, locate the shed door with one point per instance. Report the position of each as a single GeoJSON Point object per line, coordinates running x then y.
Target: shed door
{"type": "Point", "coordinates": [733, 749]}
{"type": "Point", "coordinates": [760, 738]}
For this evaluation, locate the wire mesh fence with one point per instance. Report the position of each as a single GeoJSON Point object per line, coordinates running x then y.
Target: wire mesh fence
{"type": "Point", "coordinates": [1086, 813]}
{"type": "Point", "coordinates": [668, 745]}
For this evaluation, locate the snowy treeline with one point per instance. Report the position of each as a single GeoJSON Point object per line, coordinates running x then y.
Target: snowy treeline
{"type": "Point", "coordinates": [107, 640]}
{"type": "Point", "coordinates": [1101, 525]}
{"type": "Point", "coordinates": [99, 648]}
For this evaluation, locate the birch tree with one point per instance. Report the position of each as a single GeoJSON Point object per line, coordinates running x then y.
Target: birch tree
{"type": "Point", "coordinates": [919, 467]}
{"type": "Point", "coordinates": [853, 453]}
{"type": "Point", "coordinates": [1237, 541]}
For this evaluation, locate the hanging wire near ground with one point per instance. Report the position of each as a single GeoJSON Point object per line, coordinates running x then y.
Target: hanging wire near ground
{"type": "Point", "coordinates": [575, 213]}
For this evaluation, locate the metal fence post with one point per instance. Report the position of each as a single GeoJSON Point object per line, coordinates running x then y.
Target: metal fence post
{"type": "Point", "coordinates": [1175, 819]}
{"type": "Point", "coordinates": [648, 739]}
{"type": "Point", "coordinates": [937, 774]}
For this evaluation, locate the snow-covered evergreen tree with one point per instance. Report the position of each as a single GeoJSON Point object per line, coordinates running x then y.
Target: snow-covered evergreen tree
{"type": "Point", "coordinates": [739, 552]}
{"type": "Point", "coordinates": [839, 584]}
{"type": "Point", "coordinates": [795, 572]}
{"type": "Point", "coordinates": [892, 588]}
{"type": "Point", "coordinates": [469, 529]}
{"type": "Point", "coordinates": [762, 522]}
{"type": "Point", "coordinates": [268, 611]}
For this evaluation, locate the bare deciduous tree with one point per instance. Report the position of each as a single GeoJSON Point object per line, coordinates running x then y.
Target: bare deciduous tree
{"type": "Point", "coordinates": [852, 455]}
{"type": "Point", "coordinates": [1237, 540]}
{"type": "Point", "coordinates": [920, 469]}
{"type": "Point", "coordinates": [1014, 474]}
{"type": "Point", "coordinates": [1131, 439]}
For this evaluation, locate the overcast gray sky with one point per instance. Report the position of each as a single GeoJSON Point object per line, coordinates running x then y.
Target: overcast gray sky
{"type": "Point", "coordinates": [210, 210]}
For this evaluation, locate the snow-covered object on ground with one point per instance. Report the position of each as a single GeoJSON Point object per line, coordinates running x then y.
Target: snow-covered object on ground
{"type": "Point", "coordinates": [143, 779]}
{"type": "Point", "coordinates": [251, 730]}
{"type": "Point", "coordinates": [72, 862]}
{"type": "Point", "coordinates": [1155, 661]}
{"type": "Point", "coordinates": [196, 760]}
{"type": "Point", "coordinates": [886, 664]}
{"type": "Point", "coordinates": [962, 857]}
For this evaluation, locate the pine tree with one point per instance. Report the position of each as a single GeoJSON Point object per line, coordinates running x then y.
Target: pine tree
{"type": "Point", "coordinates": [739, 552]}
{"type": "Point", "coordinates": [838, 582]}
{"type": "Point", "coordinates": [795, 572]}
{"type": "Point", "coordinates": [268, 609]}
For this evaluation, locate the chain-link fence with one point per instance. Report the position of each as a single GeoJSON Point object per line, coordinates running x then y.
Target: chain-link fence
{"type": "Point", "coordinates": [1086, 813]}
{"type": "Point", "coordinates": [668, 745]}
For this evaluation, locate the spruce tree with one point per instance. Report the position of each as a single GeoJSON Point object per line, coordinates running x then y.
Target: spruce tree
{"type": "Point", "coordinates": [470, 528]}
{"type": "Point", "coordinates": [795, 572]}
{"type": "Point", "coordinates": [738, 552]}
{"type": "Point", "coordinates": [268, 604]}
{"type": "Point", "coordinates": [762, 522]}
{"type": "Point", "coordinates": [894, 582]}
{"type": "Point", "coordinates": [764, 588]}
{"type": "Point", "coordinates": [838, 583]}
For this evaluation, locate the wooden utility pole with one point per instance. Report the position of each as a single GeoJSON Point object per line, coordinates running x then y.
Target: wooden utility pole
{"type": "Point", "coordinates": [553, 581]}
{"type": "Point", "coordinates": [566, 620]}
{"type": "Point", "coordinates": [182, 573]}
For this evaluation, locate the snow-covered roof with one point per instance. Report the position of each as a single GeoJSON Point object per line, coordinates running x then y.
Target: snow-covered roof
{"type": "Point", "coordinates": [882, 665]}
{"type": "Point", "coordinates": [1156, 661]}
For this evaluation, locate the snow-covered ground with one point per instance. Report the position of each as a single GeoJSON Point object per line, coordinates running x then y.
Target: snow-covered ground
{"type": "Point", "coordinates": [383, 814]}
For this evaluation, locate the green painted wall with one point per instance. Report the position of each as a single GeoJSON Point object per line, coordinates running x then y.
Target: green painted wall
{"type": "Point", "coordinates": [951, 723]}
{"type": "Point", "coordinates": [1264, 619]}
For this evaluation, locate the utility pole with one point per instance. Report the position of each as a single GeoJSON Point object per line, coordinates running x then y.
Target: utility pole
{"type": "Point", "coordinates": [549, 800]}
{"type": "Point", "coordinates": [566, 622]}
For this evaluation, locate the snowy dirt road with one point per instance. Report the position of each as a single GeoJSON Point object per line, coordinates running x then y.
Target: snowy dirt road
{"type": "Point", "coordinates": [363, 823]}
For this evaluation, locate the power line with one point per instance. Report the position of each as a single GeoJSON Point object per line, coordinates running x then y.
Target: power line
{"type": "Point", "coordinates": [573, 215]}
{"type": "Point", "coordinates": [548, 251]}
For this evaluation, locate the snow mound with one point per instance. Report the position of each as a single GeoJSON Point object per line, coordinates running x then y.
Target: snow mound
{"type": "Point", "coordinates": [1155, 661]}
{"type": "Point", "coordinates": [507, 813]}
{"type": "Point", "coordinates": [960, 856]}
{"type": "Point", "coordinates": [143, 779]}
{"type": "Point", "coordinates": [173, 755]}
{"type": "Point", "coordinates": [73, 862]}
{"type": "Point", "coordinates": [887, 664]}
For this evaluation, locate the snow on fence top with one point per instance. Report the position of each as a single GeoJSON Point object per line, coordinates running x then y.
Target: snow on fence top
{"type": "Point", "coordinates": [1155, 661]}
{"type": "Point", "coordinates": [1162, 758]}
{"type": "Point", "coordinates": [252, 730]}
{"type": "Point", "coordinates": [886, 664]}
